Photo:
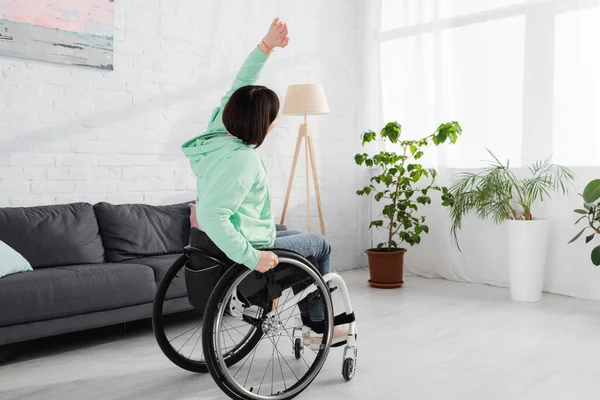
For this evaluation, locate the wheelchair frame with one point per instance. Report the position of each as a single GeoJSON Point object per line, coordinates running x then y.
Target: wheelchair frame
{"type": "Point", "coordinates": [330, 282]}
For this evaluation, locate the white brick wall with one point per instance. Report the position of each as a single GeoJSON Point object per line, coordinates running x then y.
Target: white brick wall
{"type": "Point", "coordinates": [78, 134]}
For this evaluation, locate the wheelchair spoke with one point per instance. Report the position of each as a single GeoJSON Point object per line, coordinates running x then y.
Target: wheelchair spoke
{"type": "Point", "coordinates": [267, 370]}
{"type": "Point", "coordinates": [223, 338]}
{"type": "Point", "coordinates": [286, 299]}
{"type": "Point", "coordinates": [275, 347]}
{"type": "Point", "coordinates": [181, 302]}
{"type": "Point", "coordinates": [248, 357]}
{"type": "Point", "coordinates": [250, 367]}
{"type": "Point", "coordinates": [300, 298]}
{"type": "Point", "coordinates": [290, 317]}
{"type": "Point", "coordinates": [232, 327]}
{"type": "Point", "coordinates": [178, 287]}
{"type": "Point", "coordinates": [281, 369]}
{"type": "Point", "coordinates": [186, 342]}
{"type": "Point", "coordinates": [193, 327]}
{"type": "Point", "coordinates": [229, 334]}
{"type": "Point", "coordinates": [196, 344]}
{"type": "Point", "coordinates": [273, 373]}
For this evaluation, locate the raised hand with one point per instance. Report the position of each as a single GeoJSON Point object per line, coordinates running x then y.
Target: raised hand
{"type": "Point", "coordinates": [277, 36]}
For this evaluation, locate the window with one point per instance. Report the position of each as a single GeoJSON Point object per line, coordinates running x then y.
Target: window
{"type": "Point", "coordinates": [482, 87]}
{"type": "Point", "coordinates": [576, 114]}
{"type": "Point", "coordinates": [455, 8]}
{"type": "Point", "coordinates": [486, 64]}
{"type": "Point", "coordinates": [408, 91]}
{"type": "Point", "coordinates": [401, 13]}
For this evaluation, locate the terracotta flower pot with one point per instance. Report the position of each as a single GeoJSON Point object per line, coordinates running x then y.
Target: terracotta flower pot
{"type": "Point", "coordinates": [386, 267]}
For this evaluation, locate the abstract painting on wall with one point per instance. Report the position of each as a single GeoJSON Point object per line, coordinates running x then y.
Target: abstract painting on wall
{"type": "Point", "coordinates": [75, 32]}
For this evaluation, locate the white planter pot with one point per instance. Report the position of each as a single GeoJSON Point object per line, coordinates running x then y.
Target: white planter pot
{"type": "Point", "coordinates": [527, 244]}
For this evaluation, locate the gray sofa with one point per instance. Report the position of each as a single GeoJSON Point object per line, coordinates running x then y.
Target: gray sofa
{"type": "Point", "coordinates": [94, 265]}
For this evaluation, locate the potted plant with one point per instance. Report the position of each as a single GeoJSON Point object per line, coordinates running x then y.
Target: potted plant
{"type": "Point", "coordinates": [591, 214]}
{"type": "Point", "coordinates": [496, 192]}
{"type": "Point", "coordinates": [403, 185]}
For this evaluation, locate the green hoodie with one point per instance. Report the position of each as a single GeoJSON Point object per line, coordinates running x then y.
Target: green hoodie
{"type": "Point", "coordinates": [233, 204]}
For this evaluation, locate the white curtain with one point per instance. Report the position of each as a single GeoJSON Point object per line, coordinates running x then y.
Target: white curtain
{"type": "Point", "coordinates": [523, 79]}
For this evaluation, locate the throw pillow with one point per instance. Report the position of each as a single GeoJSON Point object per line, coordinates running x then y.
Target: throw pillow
{"type": "Point", "coordinates": [11, 261]}
{"type": "Point", "coordinates": [193, 218]}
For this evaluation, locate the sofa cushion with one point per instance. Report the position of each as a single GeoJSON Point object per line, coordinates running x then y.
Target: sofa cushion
{"type": "Point", "coordinates": [55, 235]}
{"type": "Point", "coordinates": [137, 230]}
{"type": "Point", "coordinates": [160, 264]}
{"type": "Point", "coordinates": [78, 289]}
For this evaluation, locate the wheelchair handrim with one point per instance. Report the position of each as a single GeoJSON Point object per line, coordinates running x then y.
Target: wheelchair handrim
{"type": "Point", "coordinates": [323, 352]}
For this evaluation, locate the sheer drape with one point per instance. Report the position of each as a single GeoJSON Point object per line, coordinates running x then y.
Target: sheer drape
{"type": "Point", "coordinates": [523, 79]}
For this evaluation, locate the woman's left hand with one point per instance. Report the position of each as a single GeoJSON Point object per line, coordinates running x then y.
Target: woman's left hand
{"type": "Point", "coordinates": [277, 35]}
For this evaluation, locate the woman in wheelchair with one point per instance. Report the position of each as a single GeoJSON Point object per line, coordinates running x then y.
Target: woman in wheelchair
{"type": "Point", "coordinates": [233, 204]}
{"type": "Point", "coordinates": [257, 294]}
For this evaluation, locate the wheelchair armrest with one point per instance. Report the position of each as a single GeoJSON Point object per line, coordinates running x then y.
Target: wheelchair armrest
{"type": "Point", "coordinates": [189, 249]}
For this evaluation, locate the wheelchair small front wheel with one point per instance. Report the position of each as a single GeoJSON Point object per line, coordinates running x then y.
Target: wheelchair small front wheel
{"type": "Point", "coordinates": [348, 368]}
{"type": "Point", "coordinates": [270, 371]}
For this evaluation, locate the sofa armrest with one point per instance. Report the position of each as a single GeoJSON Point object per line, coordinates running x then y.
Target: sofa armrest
{"type": "Point", "coordinates": [279, 227]}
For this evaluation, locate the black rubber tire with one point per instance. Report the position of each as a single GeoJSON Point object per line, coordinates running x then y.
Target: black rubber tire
{"type": "Point", "coordinates": [348, 369]}
{"type": "Point", "coordinates": [298, 348]}
{"type": "Point", "coordinates": [208, 344]}
{"type": "Point", "coordinates": [158, 323]}
{"type": "Point", "coordinates": [163, 342]}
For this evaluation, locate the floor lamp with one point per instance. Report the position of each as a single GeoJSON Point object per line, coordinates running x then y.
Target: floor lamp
{"type": "Point", "coordinates": [305, 100]}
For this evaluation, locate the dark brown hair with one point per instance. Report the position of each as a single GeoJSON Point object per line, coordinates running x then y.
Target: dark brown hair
{"type": "Point", "coordinates": [249, 113]}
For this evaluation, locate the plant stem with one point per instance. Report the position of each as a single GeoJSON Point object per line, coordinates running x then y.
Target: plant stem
{"type": "Point", "coordinates": [591, 222]}
{"type": "Point", "coordinates": [391, 226]}
{"type": "Point", "coordinates": [515, 184]}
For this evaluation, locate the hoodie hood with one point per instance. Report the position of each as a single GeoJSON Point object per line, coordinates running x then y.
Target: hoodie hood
{"type": "Point", "coordinates": [205, 150]}
{"type": "Point", "coordinates": [207, 144]}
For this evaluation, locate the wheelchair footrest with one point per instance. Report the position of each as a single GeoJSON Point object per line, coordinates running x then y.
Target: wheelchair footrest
{"type": "Point", "coordinates": [319, 327]}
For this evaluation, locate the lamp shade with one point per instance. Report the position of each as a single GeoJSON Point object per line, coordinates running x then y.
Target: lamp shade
{"type": "Point", "coordinates": [308, 99]}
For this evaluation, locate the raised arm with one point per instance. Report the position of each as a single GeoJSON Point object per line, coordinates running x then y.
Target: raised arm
{"type": "Point", "coordinates": [251, 69]}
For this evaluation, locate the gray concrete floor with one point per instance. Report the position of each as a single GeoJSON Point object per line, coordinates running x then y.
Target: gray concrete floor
{"type": "Point", "coordinates": [431, 339]}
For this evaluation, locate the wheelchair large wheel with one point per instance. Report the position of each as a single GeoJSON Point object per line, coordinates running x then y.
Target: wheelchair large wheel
{"type": "Point", "coordinates": [179, 336]}
{"type": "Point", "coordinates": [271, 371]}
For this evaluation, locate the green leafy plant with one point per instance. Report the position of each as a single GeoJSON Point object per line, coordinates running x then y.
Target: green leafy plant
{"type": "Point", "coordinates": [497, 193]}
{"type": "Point", "coordinates": [397, 184]}
{"type": "Point", "coordinates": [591, 214]}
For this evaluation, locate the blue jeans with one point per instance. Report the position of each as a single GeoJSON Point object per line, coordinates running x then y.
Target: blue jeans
{"type": "Point", "coordinates": [308, 245]}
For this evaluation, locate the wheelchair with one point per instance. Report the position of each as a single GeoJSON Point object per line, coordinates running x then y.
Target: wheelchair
{"type": "Point", "coordinates": [250, 330]}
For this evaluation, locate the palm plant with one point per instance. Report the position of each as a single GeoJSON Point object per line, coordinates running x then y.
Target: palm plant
{"type": "Point", "coordinates": [497, 193]}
